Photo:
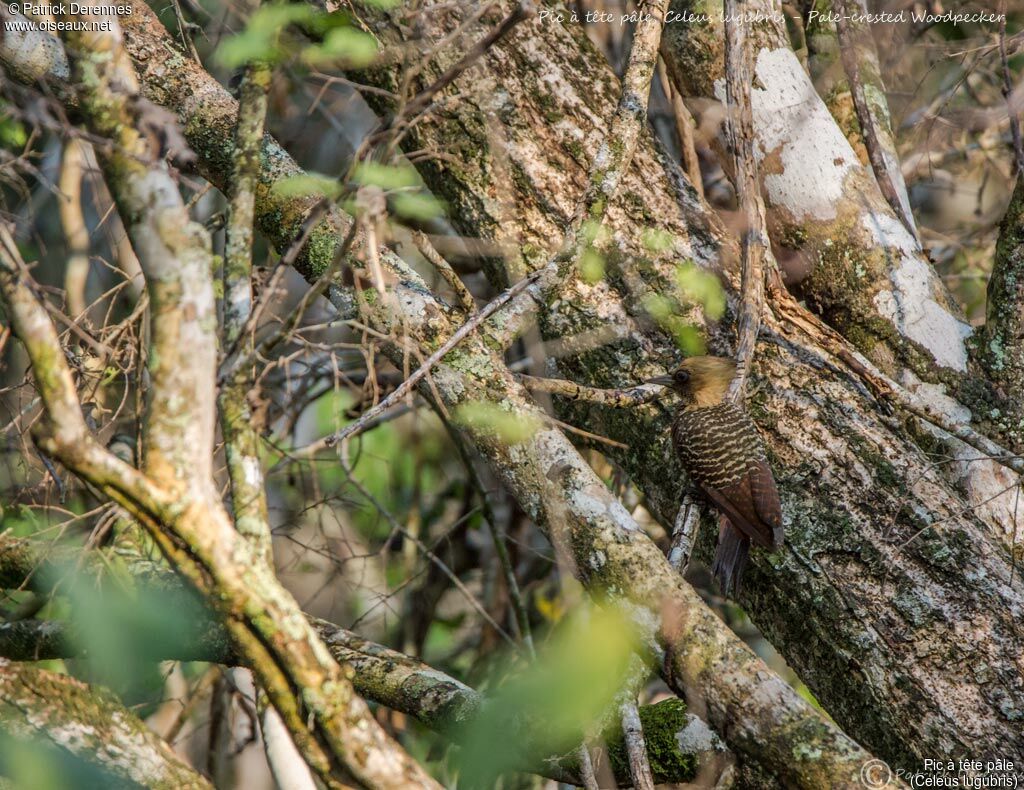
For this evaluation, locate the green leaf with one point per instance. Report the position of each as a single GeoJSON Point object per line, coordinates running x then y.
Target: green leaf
{"type": "Point", "coordinates": [306, 185]}
{"type": "Point", "coordinates": [386, 176]}
{"type": "Point", "coordinates": [260, 39]}
{"type": "Point", "coordinates": [492, 419]}
{"type": "Point", "coordinates": [656, 240]}
{"type": "Point", "coordinates": [547, 707]}
{"type": "Point", "coordinates": [417, 205]}
{"type": "Point", "coordinates": [12, 133]}
{"type": "Point", "coordinates": [346, 45]}
{"type": "Point", "coordinates": [664, 311]}
{"type": "Point", "coordinates": [591, 266]}
{"type": "Point", "coordinates": [701, 287]}
{"type": "Point", "coordinates": [595, 233]}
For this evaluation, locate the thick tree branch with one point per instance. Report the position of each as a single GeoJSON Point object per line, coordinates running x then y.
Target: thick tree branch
{"type": "Point", "coordinates": [42, 706]}
{"type": "Point", "coordinates": [845, 68]}
{"type": "Point", "coordinates": [755, 246]}
{"type": "Point", "coordinates": [849, 470]}
{"type": "Point", "coordinates": [1000, 348]}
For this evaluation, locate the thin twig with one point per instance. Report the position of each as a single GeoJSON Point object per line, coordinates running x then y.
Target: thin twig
{"type": "Point", "coordinates": [522, 618]}
{"type": "Point", "coordinates": [1011, 111]}
{"type": "Point", "coordinates": [636, 748]}
{"type": "Point", "coordinates": [616, 150]}
{"type": "Point", "coordinates": [626, 398]}
{"type": "Point", "coordinates": [420, 545]}
{"type": "Point", "coordinates": [286, 261]}
{"type": "Point", "coordinates": [594, 437]}
{"type": "Point", "coordinates": [448, 274]}
{"type": "Point", "coordinates": [849, 50]}
{"type": "Point", "coordinates": [684, 533]}
{"type": "Point", "coordinates": [238, 360]}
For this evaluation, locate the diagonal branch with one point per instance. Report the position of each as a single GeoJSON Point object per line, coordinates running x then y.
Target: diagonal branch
{"type": "Point", "coordinates": [201, 543]}
{"type": "Point", "coordinates": [755, 247]}
{"type": "Point", "coordinates": [39, 706]}
{"type": "Point", "coordinates": [682, 743]}
{"type": "Point", "coordinates": [854, 43]}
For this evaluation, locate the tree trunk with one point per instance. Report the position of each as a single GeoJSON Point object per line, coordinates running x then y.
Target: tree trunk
{"type": "Point", "coordinates": [886, 561]}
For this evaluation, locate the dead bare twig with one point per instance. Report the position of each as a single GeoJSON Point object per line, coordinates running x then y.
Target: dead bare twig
{"type": "Point", "coordinates": [755, 248]}
{"type": "Point", "coordinates": [850, 44]}
{"type": "Point", "coordinates": [400, 392]}
{"type": "Point", "coordinates": [1011, 111]}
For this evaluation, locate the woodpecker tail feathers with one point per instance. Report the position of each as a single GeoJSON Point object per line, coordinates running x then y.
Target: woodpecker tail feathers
{"type": "Point", "coordinates": [730, 557]}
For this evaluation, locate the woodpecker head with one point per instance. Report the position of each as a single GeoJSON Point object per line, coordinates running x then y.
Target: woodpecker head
{"type": "Point", "coordinates": [700, 381]}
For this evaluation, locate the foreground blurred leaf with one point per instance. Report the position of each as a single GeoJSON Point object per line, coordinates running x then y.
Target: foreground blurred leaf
{"type": "Point", "coordinates": [385, 176]}
{"type": "Point", "coordinates": [307, 184]}
{"type": "Point", "coordinates": [419, 206]}
{"type": "Point", "coordinates": [701, 287]}
{"type": "Point", "coordinates": [33, 764]}
{"type": "Point", "coordinates": [549, 706]}
{"type": "Point", "coordinates": [124, 631]}
{"type": "Point", "coordinates": [344, 45]}
{"type": "Point", "coordinates": [260, 39]}
{"type": "Point", "coordinates": [507, 426]}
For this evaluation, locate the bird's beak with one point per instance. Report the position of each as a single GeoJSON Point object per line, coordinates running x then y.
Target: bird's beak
{"type": "Point", "coordinates": [665, 381]}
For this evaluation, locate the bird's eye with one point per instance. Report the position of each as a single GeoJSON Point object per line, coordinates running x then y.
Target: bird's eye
{"type": "Point", "coordinates": [681, 376]}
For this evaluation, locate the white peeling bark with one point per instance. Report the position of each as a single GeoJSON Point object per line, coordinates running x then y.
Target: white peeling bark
{"type": "Point", "coordinates": [825, 205]}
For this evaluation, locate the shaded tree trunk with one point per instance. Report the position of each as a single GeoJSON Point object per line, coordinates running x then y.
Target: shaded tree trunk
{"type": "Point", "coordinates": [888, 557]}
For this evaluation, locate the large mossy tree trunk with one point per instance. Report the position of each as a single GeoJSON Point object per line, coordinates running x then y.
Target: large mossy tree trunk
{"type": "Point", "coordinates": [895, 598]}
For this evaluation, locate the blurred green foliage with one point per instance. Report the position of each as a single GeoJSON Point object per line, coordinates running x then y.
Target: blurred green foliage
{"type": "Point", "coordinates": [383, 463]}
{"type": "Point", "coordinates": [549, 706]}
{"type": "Point", "coordinates": [124, 629]}
{"type": "Point", "coordinates": [694, 287]}
{"type": "Point", "coordinates": [265, 38]}
{"type": "Point", "coordinates": [489, 418]}
{"type": "Point", "coordinates": [34, 764]}
{"type": "Point", "coordinates": [308, 184]}
{"type": "Point", "coordinates": [12, 132]}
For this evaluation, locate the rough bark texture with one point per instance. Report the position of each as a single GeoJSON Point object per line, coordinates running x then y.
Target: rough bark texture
{"type": "Point", "coordinates": [93, 726]}
{"type": "Point", "coordinates": [1000, 347]}
{"type": "Point", "coordinates": [831, 78]}
{"type": "Point", "coordinates": [866, 274]}
{"type": "Point", "coordinates": [887, 559]}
